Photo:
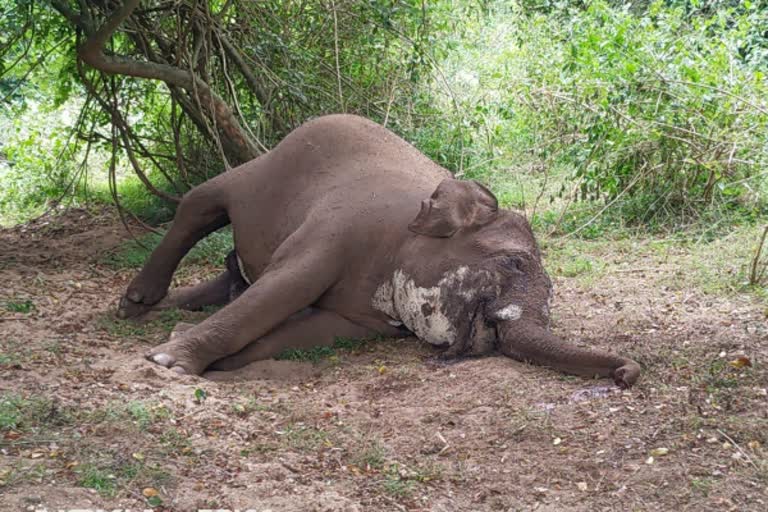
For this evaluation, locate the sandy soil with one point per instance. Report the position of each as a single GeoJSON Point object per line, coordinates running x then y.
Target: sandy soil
{"type": "Point", "coordinates": [85, 422]}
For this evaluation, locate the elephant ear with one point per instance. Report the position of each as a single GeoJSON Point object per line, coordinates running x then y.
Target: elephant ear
{"type": "Point", "coordinates": [454, 205]}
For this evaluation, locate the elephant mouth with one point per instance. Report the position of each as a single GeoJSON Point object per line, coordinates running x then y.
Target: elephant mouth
{"type": "Point", "coordinates": [483, 336]}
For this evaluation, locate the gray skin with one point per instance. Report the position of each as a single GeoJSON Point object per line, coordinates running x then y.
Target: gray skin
{"type": "Point", "coordinates": [345, 229]}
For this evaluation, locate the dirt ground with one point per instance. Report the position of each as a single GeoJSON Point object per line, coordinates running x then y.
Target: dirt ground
{"type": "Point", "coordinates": [85, 422]}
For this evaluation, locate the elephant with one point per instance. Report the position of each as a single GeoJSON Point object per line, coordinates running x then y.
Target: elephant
{"type": "Point", "coordinates": [344, 229]}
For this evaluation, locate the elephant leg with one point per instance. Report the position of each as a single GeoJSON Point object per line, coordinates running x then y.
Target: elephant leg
{"type": "Point", "coordinates": [201, 212]}
{"type": "Point", "coordinates": [299, 273]}
{"type": "Point", "coordinates": [309, 328]}
{"type": "Point", "coordinates": [218, 291]}
{"type": "Point", "coordinates": [214, 292]}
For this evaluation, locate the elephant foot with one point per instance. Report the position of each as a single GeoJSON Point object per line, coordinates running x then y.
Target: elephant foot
{"type": "Point", "coordinates": [129, 309]}
{"type": "Point", "coordinates": [181, 354]}
{"type": "Point", "coordinates": [142, 295]}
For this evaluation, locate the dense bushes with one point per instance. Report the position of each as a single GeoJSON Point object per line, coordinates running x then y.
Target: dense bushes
{"type": "Point", "coordinates": [654, 113]}
{"type": "Point", "coordinates": [660, 113]}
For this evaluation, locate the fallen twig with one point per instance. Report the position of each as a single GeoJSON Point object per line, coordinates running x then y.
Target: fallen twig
{"type": "Point", "coordinates": [741, 450]}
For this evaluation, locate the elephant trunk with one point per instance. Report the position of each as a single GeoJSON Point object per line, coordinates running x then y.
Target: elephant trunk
{"type": "Point", "coordinates": [530, 342]}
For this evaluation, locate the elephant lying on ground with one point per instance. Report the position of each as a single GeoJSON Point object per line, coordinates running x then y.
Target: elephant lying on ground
{"type": "Point", "coordinates": [346, 230]}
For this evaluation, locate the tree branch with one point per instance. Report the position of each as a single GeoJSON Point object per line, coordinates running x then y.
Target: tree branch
{"type": "Point", "coordinates": [92, 53]}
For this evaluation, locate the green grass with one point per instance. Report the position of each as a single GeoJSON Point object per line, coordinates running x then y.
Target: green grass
{"type": "Point", "coordinates": [99, 479]}
{"type": "Point", "coordinates": [371, 457]}
{"type": "Point", "coordinates": [402, 482]}
{"type": "Point", "coordinates": [20, 306]}
{"type": "Point", "coordinates": [144, 415]}
{"type": "Point", "coordinates": [28, 413]}
{"type": "Point", "coordinates": [713, 264]}
{"type": "Point", "coordinates": [13, 352]}
{"type": "Point", "coordinates": [304, 437]}
{"type": "Point", "coordinates": [135, 198]}
{"type": "Point", "coordinates": [172, 441]}
{"type": "Point", "coordinates": [118, 471]}
{"type": "Point", "coordinates": [134, 415]}
{"type": "Point", "coordinates": [245, 408]}
{"type": "Point", "coordinates": [317, 354]}
{"type": "Point", "coordinates": [212, 250]}
{"type": "Point", "coordinates": [165, 322]}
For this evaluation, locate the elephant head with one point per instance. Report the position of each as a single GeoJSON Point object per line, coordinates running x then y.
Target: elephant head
{"type": "Point", "coordinates": [470, 278]}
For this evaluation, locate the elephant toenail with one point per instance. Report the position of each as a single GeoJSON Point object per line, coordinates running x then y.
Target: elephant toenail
{"type": "Point", "coordinates": [163, 359]}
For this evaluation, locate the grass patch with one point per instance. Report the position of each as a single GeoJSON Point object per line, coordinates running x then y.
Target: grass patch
{"type": "Point", "coordinates": [372, 457]}
{"type": "Point", "coordinates": [20, 306]}
{"type": "Point", "coordinates": [710, 262]}
{"type": "Point", "coordinates": [135, 198]}
{"type": "Point", "coordinates": [317, 354]}
{"type": "Point", "coordinates": [29, 413]}
{"type": "Point", "coordinates": [172, 441]}
{"type": "Point", "coordinates": [305, 438]}
{"type": "Point", "coordinates": [136, 415]}
{"type": "Point", "coordinates": [13, 352]}
{"type": "Point", "coordinates": [212, 250]}
{"type": "Point", "coordinates": [396, 486]}
{"type": "Point", "coordinates": [143, 415]}
{"type": "Point", "coordinates": [702, 486]}
{"type": "Point", "coordinates": [401, 482]}
{"type": "Point", "coordinates": [132, 253]}
{"type": "Point", "coordinates": [575, 267]}
{"type": "Point", "coordinates": [245, 408]}
{"type": "Point", "coordinates": [574, 259]}
{"type": "Point", "coordinates": [108, 477]}
{"type": "Point", "coordinates": [165, 322]}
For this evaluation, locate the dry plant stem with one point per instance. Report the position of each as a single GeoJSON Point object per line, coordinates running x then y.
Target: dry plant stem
{"type": "Point", "coordinates": [755, 272]}
{"type": "Point", "coordinates": [739, 448]}
{"type": "Point", "coordinates": [542, 189]}
{"type": "Point", "coordinates": [604, 208]}
{"type": "Point", "coordinates": [566, 205]}
{"type": "Point", "coordinates": [336, 53]}
{"type": "Point", "coordinates": [92, 53]}
{"type": "Point", "coordinates": [119, 123]}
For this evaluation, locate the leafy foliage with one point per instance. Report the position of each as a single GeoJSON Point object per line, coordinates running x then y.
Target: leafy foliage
{"type": "Point", "coordinates": [660, 112]}
{"type": "Point", "coordinates": [652, 113]}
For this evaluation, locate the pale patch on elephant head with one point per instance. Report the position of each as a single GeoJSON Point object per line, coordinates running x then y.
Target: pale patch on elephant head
{"type": "Point", "coordinates": [431, 313]}
{"type": "Point", "coordinates": [510, 312]}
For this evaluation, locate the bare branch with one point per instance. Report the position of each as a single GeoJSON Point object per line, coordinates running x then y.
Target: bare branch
{"type": "Point", "coordinates": [92, 53]}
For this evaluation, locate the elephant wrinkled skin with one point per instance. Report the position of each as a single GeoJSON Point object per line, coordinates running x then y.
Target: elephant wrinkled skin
{"type": "Point", "coordinates": [345, 229]}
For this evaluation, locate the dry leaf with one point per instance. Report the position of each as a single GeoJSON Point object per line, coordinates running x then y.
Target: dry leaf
{"type": "Point", "coordinates": [12, 435]}
{"type": "Point", "coordinates": [582, 486]}
{"type": "Point", "coordinates": [149, 492]}
{"type": "Point", "coordinates": [659, 452]}
{"type": "Point", "coordinates": [741, 362]}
